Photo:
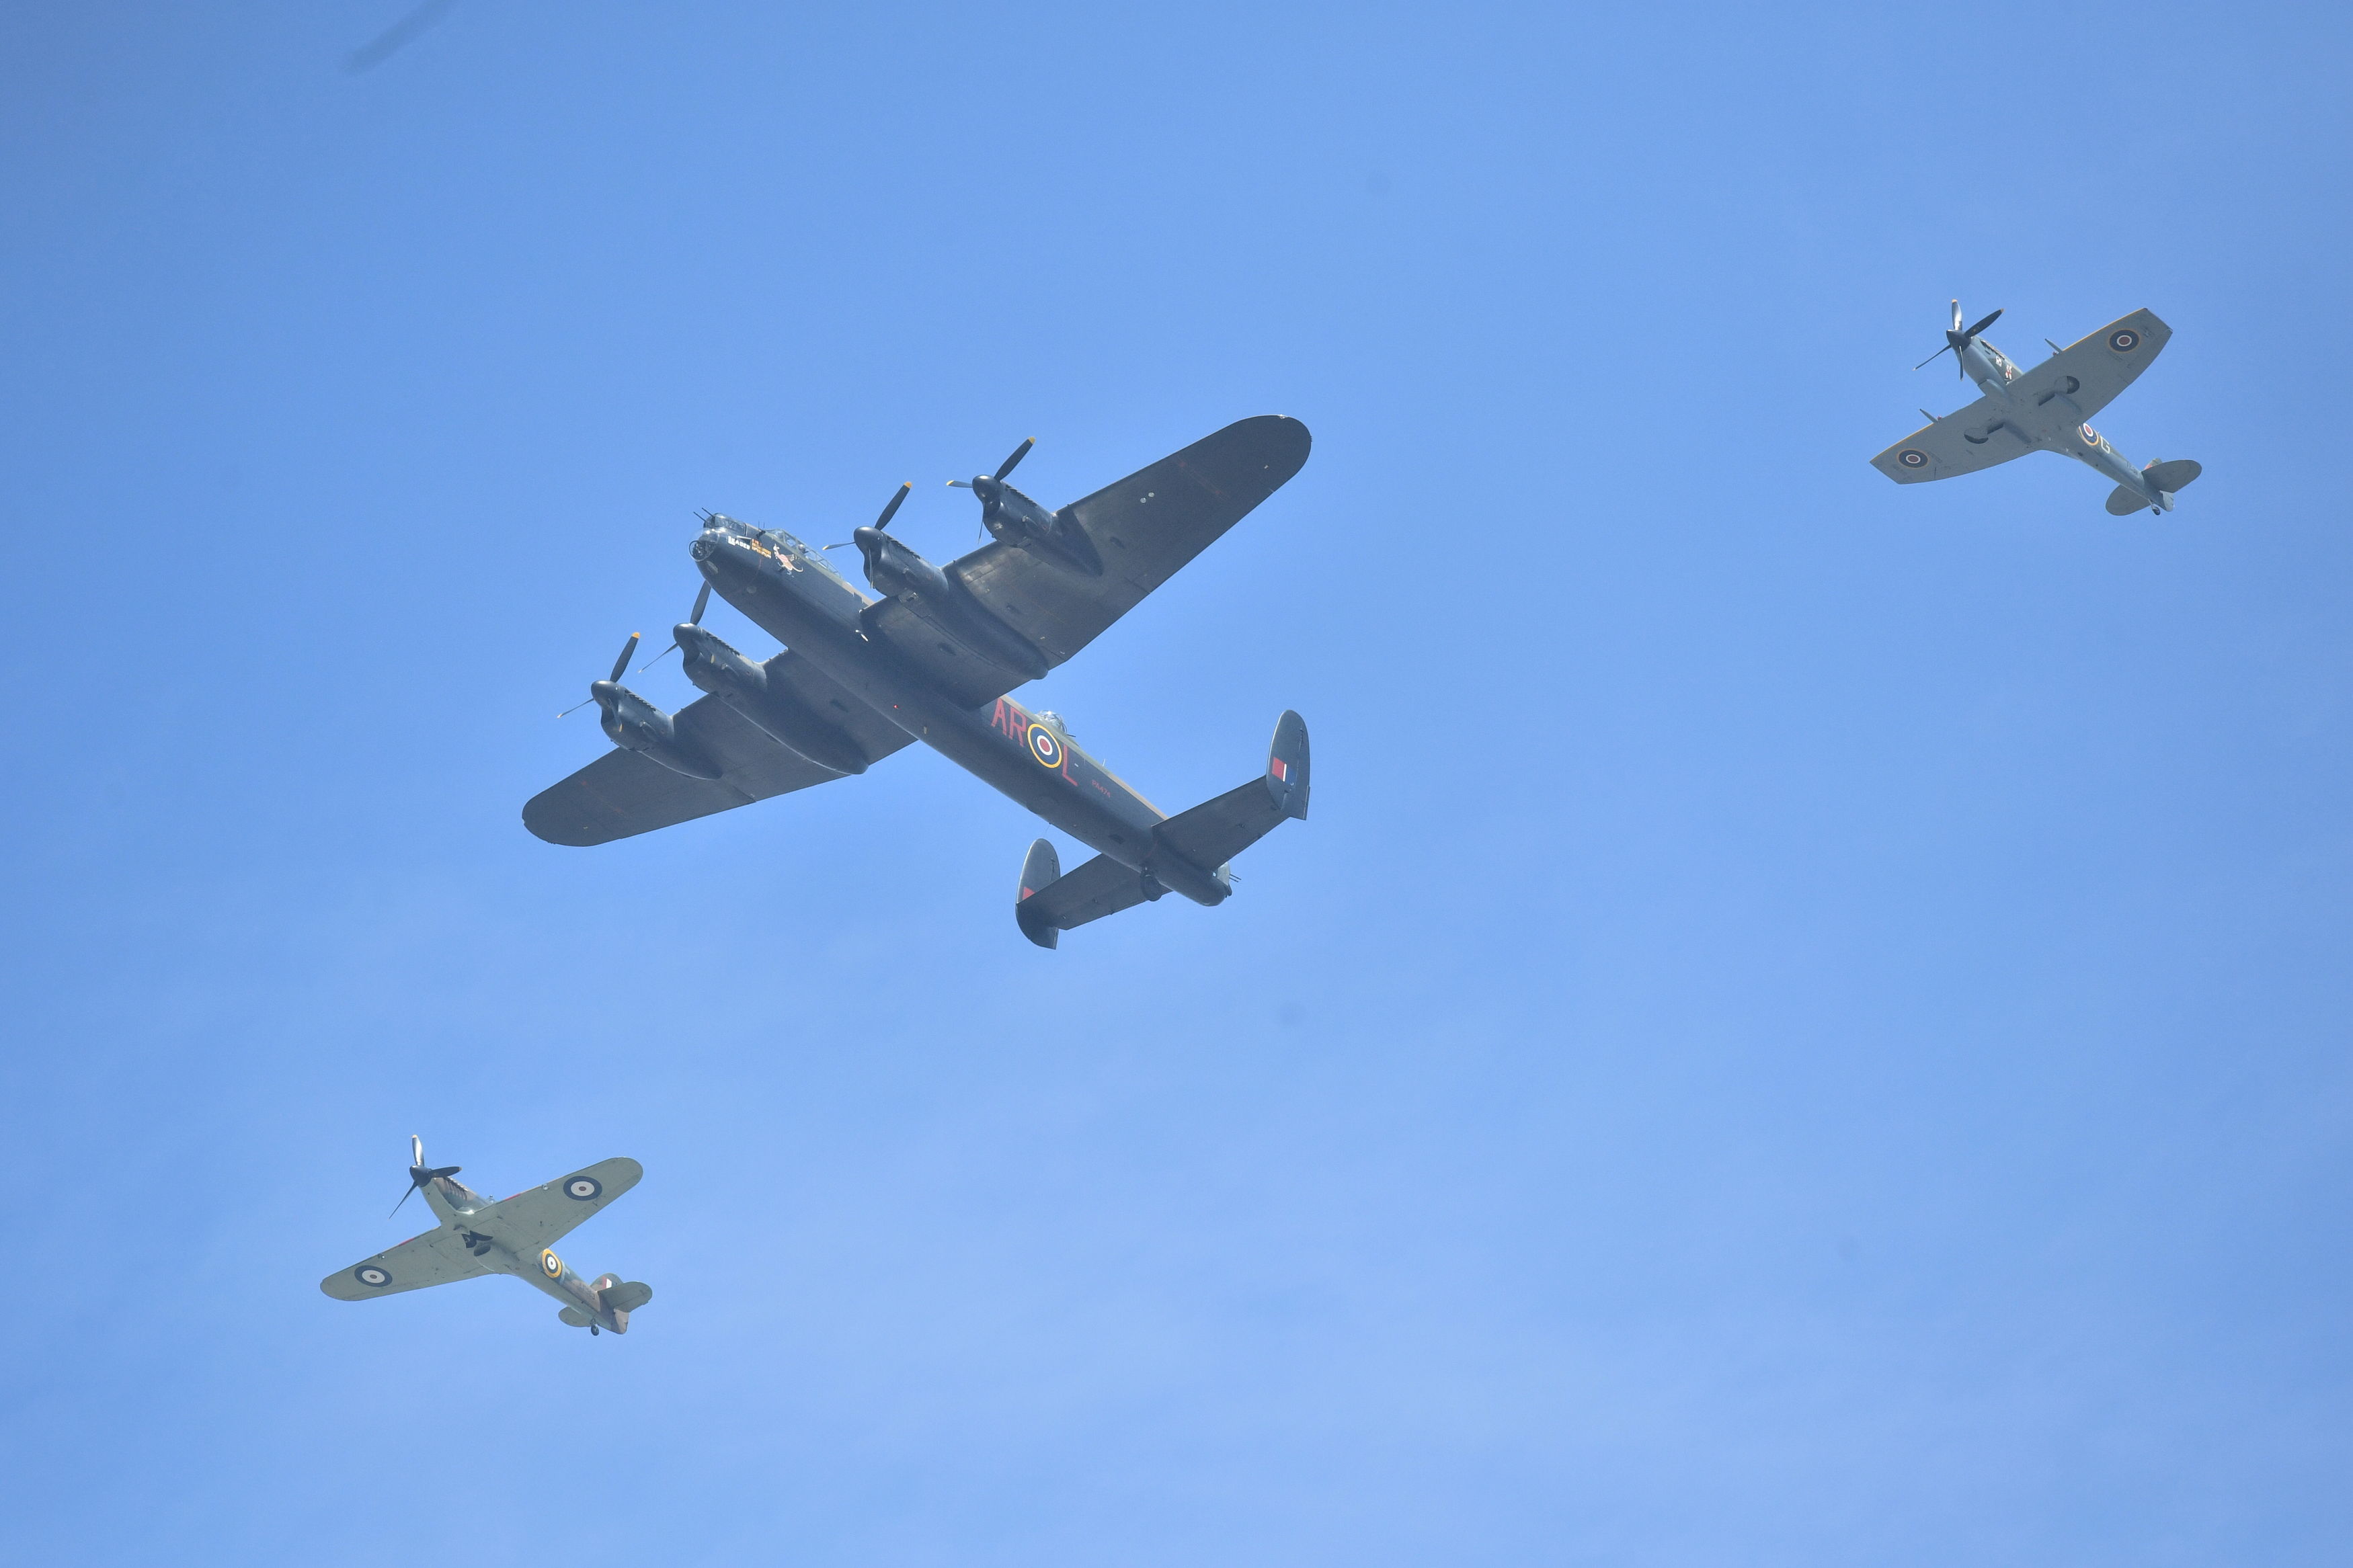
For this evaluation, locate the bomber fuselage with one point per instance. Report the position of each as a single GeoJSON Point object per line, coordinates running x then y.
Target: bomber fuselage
{"type": "Point", "coordinates": [801, 602]}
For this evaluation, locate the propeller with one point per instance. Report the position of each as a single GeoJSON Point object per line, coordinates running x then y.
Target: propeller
{"type": "Point", "coordinates": [988, 489]}
{"type": "Point", "coordinates": [619, 665]}
{"type": "Point", "coordinates": [1957, 338]}
{"type": "Point", "coordinates": [419, 1171]}
{"type": "Point", "coordinates": [889, 510]}
{"type": "Point", "coordinates": [1003, 468]}
{"type": "Point", "coordinates": [702, 602]}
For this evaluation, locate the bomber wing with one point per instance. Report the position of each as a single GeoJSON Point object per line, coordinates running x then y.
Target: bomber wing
{"type": "Point", "coordinates": [1144, 528]}
{"type": "Point", "coordinates": [1962, 442]}
{"type": "Point", "coordinates": [2090, 371]}
{"type": "Point", "coordinates": [621, 793]}
{"type": "Point", "coordinates": [541, 1218]}
{"type": "Point", "coordinates": [437, 1257]}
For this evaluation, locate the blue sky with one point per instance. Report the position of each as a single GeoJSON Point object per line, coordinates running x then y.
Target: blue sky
{"type": "Point", "coordinates": [1809, 1024]}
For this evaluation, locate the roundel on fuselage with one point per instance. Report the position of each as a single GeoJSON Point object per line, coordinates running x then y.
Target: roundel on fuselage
{"type": "Point", "coordinates": [1046, 746]}
{"type": "Point", "coordinates": [2090, 436]}
{"type": "Point", "coordinates": [551, 1264]}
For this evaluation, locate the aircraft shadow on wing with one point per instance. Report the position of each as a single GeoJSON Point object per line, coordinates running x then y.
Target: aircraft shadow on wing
{"type": "Point", "coordinates": [933, 659]}
{"type": "Point", "coordinates": [514, 1236]}
{"type": "Point", "coordinates": [2046, 409]}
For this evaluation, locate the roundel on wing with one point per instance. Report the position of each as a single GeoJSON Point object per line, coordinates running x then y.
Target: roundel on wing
{"type": "Point", "coordinates": [2124, 339]}
{"type": "Point", "coordinates": [582, 1188]}
{"type": "Point", "coordinates": [1045, 745]}
{"type": "Point", "coordinates": [1913, 457]}
{"type": "Point", "coordinates": [368, 1274]}
{"type": "Point", "coordinates": [551, 1264]}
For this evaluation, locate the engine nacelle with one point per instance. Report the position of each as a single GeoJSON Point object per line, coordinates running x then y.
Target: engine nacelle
{"type": "Point", "coordinates": [634, 724]}
{"type": "Point", "coordinates": [903, 575]}
{"type": "Point", "coordinates": [743, 685]}
{"type": "Point", "coordinates": [1012, 518]}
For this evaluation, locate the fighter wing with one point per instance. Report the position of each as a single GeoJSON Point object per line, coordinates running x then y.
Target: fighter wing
{"type": "Point", "coordinates": [541, 1218]}
{"type": "Point", "coordinates": [622, 794]}
{"type": "Point", "coordinates": [437, 1257]}
{"type": "Point", "coordinates": [2090, 371]}
{"type": "Point", "coordinates": [1143, 528]}
{"type": "Point", "coordinates": [1975, 437]}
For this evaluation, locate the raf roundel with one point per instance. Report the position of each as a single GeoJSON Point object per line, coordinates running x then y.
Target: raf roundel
{"type": "Point", "coordinates": [551, 1264]}
{"type": "Point", "coordinates": [1913, 457]}
{"type": "Point", "coordinates": [368, 1274]}
{"type": "Point", "coordinates": [1044, 746]}
{"type": "Point", "coordinates": [2090, 436]}
{"type": "Point", "coordinates": [582, 1188]}
{"type": "Point", "coordinates": [2124, 339]}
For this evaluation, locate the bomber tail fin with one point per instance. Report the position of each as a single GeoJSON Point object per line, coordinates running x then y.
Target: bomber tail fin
{"type": "Point", "coordinates": [1188, 853]}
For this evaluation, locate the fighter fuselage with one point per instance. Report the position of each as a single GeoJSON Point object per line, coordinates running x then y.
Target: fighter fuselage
{"type": "Point", "coordinates": [455, 1202]}
{"type": "Point", "coordinates": [2050, 420]}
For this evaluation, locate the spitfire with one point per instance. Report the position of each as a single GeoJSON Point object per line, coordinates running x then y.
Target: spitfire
{"type": "Point", "coordinates": [932, 660]}
{"type": "Point", "coordinates": [515, 1235]}
{"type": "Point", "coordinates": [2046, 409]}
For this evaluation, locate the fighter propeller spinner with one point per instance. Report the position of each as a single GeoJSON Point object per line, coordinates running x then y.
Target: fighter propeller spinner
{"type": "Point", "coordinates": [515, 1235]}
{"type": "Point", "coordinates": [418, 1173]}
{"type": "Point", "coordinates": [2046, 409]}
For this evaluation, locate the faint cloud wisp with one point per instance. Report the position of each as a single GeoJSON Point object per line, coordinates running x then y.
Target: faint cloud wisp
{"type": "Point", "coordinates": [398, 37]}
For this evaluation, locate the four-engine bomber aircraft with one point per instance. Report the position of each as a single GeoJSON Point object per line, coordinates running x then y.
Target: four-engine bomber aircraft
{"type": "Point", "coordinates": [932, 660]}
{"type": "Point", "coordinates": [2048, 408]}
{"type": "Point", "coordinates": [515, 1235]}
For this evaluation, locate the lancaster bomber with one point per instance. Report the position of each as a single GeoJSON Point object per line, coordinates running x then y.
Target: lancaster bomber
{"type": "Point", "coordinates": [2046, 409]}
{"type": "Point", "coordinates": [933, 659]}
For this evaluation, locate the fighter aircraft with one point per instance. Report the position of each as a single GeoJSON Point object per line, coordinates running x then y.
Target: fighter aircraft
{"type": "Point", "coordinates": [932, 660]}
{"type": "Point", "coordinates": [2048, 408]}
{"type": "Point", "coordinates": [515, 1235]}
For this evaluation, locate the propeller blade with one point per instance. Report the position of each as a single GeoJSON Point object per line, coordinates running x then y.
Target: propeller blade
{"type": "Point", "coordinates": [1957, 315]}
{"type": "Point", "coordinates": [417, 1151]}
{"type": "Point", "coordinates": [1018, 453]}
{"type": "Point", "coordinates": [1981, 326]}
{"type": "Point", "coordinates": [404, 1198]}
{"type": "Point", "coordinates": [702, 602]}
{"type": "Point", "coordinates": [891, 509]}
{"type": "Point", "coordinates": [622, 663]}
{"type": "Point", "coordinates": [959, 484]}
{"type": "Point", "coordinates": [1932, 358]}
{"type": "Point", "coordinates": [575, 707]}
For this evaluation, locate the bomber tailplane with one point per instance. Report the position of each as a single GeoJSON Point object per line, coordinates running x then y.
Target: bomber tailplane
{"type": "Point", "coordinates": [1188, 852]}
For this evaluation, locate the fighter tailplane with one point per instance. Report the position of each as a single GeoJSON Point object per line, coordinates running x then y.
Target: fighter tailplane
{"type": "Point", "coordinates": [2154, 492]}
{"type": "Point", "coordinates": [1188, 855]}
{"type": "Point", "coordinates": [514, 1236]}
